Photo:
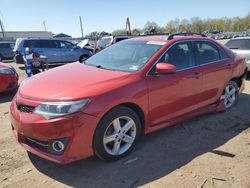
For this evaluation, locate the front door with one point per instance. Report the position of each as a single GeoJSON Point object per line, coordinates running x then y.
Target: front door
{"type": "Point", "coordinates": [172, 95]}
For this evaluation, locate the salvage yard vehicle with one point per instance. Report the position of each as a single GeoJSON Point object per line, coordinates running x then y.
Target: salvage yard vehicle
{"type": "Point", "coordinates": [6, 52]}
{"type": "Point", "coordinates": [106, 41]}
{"type": "Point", "coordinates": [8, 78]}
{"type": "Point", "coordinates": [57, 51]}
{"type": "Point", "coordinates": [241, 46]}
{"type": "Point", "coordinates": [103, 105]}
{"type": "Point", "coordinates": [87, 44]}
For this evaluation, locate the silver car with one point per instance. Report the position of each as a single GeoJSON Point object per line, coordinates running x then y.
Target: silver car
{"type": "Point", "coordinates": [57, 51]}
{"type": "Point", "coordinates": [241, 46]}
{"type": "Point", "coordinates": [6, 50]}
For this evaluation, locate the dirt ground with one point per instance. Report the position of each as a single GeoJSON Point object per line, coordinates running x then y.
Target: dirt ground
{"type": "Point", "coordinates": [209, 151]}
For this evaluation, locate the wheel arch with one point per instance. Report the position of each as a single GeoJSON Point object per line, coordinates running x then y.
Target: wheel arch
{"type": "Point", "coordinates": [238, 79]}
{"type": "Point", "coordinates": [135, 107]}
{"type": "Point", "coordinates": [138, 110]}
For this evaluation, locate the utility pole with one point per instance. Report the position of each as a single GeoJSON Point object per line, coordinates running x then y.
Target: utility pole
{"type": "Point", "coordinates": [81, 25]}
{"type": "Point", "coordinates": [44, 25]}
{"type": "Point", "coordinates": [128, 26]}
{"type": "Point", "coordinates": [2, 28]}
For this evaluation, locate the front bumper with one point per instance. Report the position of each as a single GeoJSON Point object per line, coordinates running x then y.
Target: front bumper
{"type": "Point", "coordinates": [77, 128]}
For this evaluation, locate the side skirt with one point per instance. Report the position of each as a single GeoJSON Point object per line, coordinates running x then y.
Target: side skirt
{"type": "Point", "coordinates": [218, 107]}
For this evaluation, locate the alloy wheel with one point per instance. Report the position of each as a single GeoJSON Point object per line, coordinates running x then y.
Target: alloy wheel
{"type": "Point", "coordinates": [229, 95]}
{"type": "Point", "coordinates": [119, 135]}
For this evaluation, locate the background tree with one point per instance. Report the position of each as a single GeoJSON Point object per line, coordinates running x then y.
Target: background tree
{"type": "Point", "coordinates": [196, 24]}
{"type": "Point", "coordinates": [152, 28]}
{"type": "Point", "coordinates": [119, 32]}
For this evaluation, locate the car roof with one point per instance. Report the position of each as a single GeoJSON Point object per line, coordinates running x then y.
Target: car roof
{"type": "Point", "coordinates": [23, 39]}
{"type": "Point", "coordinates": [7, 42]}
{"type": "Point", "coordinates": [240, 38]}
{"type": "Point", "coordinates": [164, 38]}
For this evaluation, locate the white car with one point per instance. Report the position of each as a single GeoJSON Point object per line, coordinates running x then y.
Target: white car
{"type": "Point", "coordinates": [240, 46]}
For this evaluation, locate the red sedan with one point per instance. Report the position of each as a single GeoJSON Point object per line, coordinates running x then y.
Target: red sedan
{"type": "Point", "coordinates": [134, 87]}
{"type": "Point", "coordinates": [8, 78]}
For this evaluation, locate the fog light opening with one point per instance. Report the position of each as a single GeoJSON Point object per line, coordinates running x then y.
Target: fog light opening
{"type": "Point", "coordinates": [58, 146]}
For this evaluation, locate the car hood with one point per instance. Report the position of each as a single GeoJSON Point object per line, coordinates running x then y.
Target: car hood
{"type": "Point", "coordinates": [71, 82]}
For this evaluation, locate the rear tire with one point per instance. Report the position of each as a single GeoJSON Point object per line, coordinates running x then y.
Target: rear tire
{"type": "Point", "coordinates": [19, 59]}
{"type": "Point", "coordinates": [117, 134]}
{"type": "Point", "coordinates": [230, 94]}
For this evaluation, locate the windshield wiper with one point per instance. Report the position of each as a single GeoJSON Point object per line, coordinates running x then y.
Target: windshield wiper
{"type": "Point", "coordinates": [101, 67]}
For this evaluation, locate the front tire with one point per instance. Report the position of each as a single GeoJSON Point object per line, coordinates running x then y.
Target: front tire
{"type": "Point", "coordinates": [230, 94]}
{"type": "Point", "coordinates": [116, 134]}
{"type": "Point", "coordinates": [83, 58]}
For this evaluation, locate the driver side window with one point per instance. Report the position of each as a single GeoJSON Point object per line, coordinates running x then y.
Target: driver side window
{"type": "Point", "coordinates": [65, 45]}
{"type": "Point", "coordinates": [180, 55]}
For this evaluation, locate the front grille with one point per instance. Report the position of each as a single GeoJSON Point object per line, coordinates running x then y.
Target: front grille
{"type": "Point", "coordinates": [25, 108]}
{"type": "Point", "coordinates": [11, 85]}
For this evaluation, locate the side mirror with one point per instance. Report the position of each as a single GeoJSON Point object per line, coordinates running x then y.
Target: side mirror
{"type": "Point", "coordinates": [165, 68]}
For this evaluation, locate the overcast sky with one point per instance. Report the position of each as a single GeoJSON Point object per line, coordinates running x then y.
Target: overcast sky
{"type": "Point", "coordinates": [108, 15]}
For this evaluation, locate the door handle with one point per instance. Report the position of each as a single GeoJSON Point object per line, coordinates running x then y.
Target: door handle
{"type": "Point", "coordinates": [229, 66]}
{"type": "Point", "coordinates": [195, 75]}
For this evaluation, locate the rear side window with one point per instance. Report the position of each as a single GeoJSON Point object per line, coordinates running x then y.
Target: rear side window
{"type": "Point", "coordinates": [243, 44]}
{"type": "Point", "coordinates": [179, 55]}
{"type": "Point", "coordinates": [223, 55]}
{"type": "Point", "coordinates": [206, 52]}
{"type": "Point", "coordinates": [40, 44]}
{"type": "Point", "coordinates": [47, 44]}
{"type": "Point", "coordinates": [31, 44]}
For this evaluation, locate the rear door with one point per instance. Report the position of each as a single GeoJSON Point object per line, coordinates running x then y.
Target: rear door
{"type": "Point", "coordinates": [215, 67]}
{"type": "Point", "coordinates": [172, 95]}
{"type": "Point", "coordinates": [34, 46]}
{"type": "Point", "coordinates": [46, 48]}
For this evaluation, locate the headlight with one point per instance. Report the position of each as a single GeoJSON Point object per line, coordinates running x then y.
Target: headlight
{"type": "Point", "coordinates": [6, 71]}
{"type": "Point", "coordinates": [51, 110]}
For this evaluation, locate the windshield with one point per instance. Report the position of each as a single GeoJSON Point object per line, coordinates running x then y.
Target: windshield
{"type": "Point", "coordinates": [243, 44]}
{"type": "Point", "coordinates": [102, 43]}
{"type": "Point", "coordinates": [127, 56]}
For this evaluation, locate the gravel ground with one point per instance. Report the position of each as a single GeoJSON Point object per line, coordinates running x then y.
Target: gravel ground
{"type": "Point", "coordinates": [209, 151]}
